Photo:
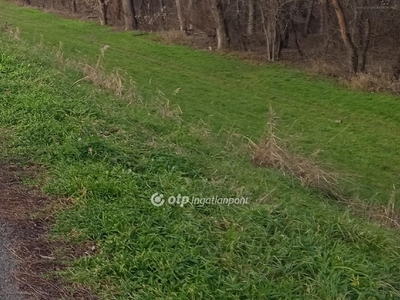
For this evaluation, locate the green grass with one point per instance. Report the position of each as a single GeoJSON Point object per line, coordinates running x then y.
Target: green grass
{"type": "Point", "coordinates": [228, 93]}
{"type": "Point", "coordinates": [109, 157]}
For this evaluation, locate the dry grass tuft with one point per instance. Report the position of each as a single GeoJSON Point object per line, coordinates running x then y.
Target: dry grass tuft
{"type": "Point", "coordinates": [201, 129]}
{"type": "Point", "coordinates": [113, 81]}
{"type": "Point", "coordinates": [58, 52]}
{"type": "Point", "coordinates": [236, 143]}
{"type": "Point", "coordinates": [390, 210]}
{"type": "Point", "coordinates": [374, 82]}
{"type": "Point", "coordinates": [387, 215]}
{"type": "Point", "coordinates": [97, 75]}
{"type": "Point", "coordinates": [12, 32]}
{"type": "Point", "coordinates": [164, 108]}
{"type": "Point", "coordinates": [327, 68]}
{"type": "Point", "coordinates": [16, 34]}
{"type": "Point", "coordinates": [175, 37]}
{"type": "Point", "coordinates": [271, 152]}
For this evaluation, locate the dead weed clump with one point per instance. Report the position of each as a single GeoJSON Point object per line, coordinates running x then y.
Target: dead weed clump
{"type": "Point", "coordinates": [271, 152]}
{"type": "Point", "coordinates": [386, 215]}
{"type": "Point", "coordinates": [326, 68]}
{"type": "Point", "coordinates": [374, 82]}
{"type": "Point", "coordinates": [164, 108]}
{"type": "Point", "coordinates": [174, 37]}
{"type": "Point", "coordinates": [201, 129]}
{"type": "Point", "coordinates": [97, 75]}
{"type": "Point", "coordinates": [113, 81]}
{"type": "Point", "coordinates": [12, 32]}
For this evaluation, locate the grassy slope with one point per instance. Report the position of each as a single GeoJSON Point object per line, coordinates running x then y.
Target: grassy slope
{"type": "Point", "coordinates": [241, 94]}
{"type": "Point", "coordinates": [294, 246]}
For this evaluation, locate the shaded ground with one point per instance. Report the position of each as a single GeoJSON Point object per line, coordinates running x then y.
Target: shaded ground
{"type": "Point", "coordinates": [25, 253]}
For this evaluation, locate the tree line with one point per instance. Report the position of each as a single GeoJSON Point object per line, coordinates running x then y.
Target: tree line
{"type": "Point", "coordinates": [350, 27]}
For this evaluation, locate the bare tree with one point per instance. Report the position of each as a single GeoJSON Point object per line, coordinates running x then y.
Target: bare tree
{"type": "Point", "coordinates": [182, 26]}
{"type": "Point", "coordinates": [250, 25]}
{"type": "Point", "coordinates": [275, 26]}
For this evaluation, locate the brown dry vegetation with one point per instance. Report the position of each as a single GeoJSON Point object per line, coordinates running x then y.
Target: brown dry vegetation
{"type": "Point", "coordinates": [272, 152]}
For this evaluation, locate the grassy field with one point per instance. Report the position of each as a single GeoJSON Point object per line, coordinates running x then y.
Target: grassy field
{"type": "Point", "coordinates": [108, 157]}
{"type": "Point", "coordinates": [364, 145]}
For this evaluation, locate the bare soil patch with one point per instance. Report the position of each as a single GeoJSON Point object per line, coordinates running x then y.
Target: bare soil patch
{"type": "Point", "coordinates": [25, 211]}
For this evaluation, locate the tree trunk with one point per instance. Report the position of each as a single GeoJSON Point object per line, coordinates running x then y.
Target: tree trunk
{"type": "Point", "coordinates": [265, 29]}
{"type": "Point", "coordinates": [163, 13]}
{"type": "Point", "coordinates": [190, 13]}
{"type": "Point", "coordinates": [129, 15]}
{"type": "Point", "coordinates": [296, 40]}
{"type": "Point", "coordinates": [351, 49]}
{"type": "Point", "coordinates": [358, 27]}
{"type": "Point", "coordinates": [396, 68]}
{"type": "Point", "coordinates": [119, 10]}
{"type": "Point", "coordinates": [74, 8]}
{"type": "Point", "coordinates": [103, 12]}
{"type": "Point", "coordinates": [182, 26]}
{"type": "Point", "coordinates": [222, 30]}
{"type": "Point", "coordinates": [250, 25]}
{"type": "Point", "coordinates": [365, 47]}
{"type": "Point", "coordinates": [308, 20]}
{"type": "Point", "coordinates": [323, 26]}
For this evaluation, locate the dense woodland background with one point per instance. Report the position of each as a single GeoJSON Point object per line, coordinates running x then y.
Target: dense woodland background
{"type": "Point", "coordinates": [357, 36]}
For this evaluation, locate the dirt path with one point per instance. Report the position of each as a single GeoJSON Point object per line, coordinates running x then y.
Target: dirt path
{"type": "Point", "coordinates": [21, 236]}
{"type": "Point", "coordinates": [9, 288]}
{"type": "Point", "coordinates": [25, 252]}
